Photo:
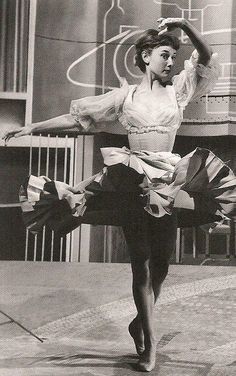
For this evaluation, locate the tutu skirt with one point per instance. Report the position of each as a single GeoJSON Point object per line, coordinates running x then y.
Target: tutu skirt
{"type": "Point", "coordinates": [199, 186]}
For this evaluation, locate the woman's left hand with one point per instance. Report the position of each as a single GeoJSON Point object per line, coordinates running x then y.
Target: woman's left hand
{"type": "Point", "coordinates": [169, 24]}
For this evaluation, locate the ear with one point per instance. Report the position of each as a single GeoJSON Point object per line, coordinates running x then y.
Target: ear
{"type": "Point", "coordinates": [146, 57]}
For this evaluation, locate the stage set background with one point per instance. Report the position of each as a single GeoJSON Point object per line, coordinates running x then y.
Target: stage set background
{"type": "Point", "coordinates": [67, 30]}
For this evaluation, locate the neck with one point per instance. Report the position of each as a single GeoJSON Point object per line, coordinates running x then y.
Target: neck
{"type": "Point", "coordinates": [148, 81]}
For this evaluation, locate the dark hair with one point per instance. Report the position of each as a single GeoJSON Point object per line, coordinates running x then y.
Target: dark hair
{"type": "Point", "coordinates": [151, 39]}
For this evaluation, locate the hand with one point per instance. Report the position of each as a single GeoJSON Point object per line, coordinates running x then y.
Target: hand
{"type": "Point", "coordinates": [169, 24]}
{"type": "Point", "coordinates": [18, 132]}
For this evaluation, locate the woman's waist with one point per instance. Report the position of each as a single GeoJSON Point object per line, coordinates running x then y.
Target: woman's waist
{"type": "Point", "coordinates": [152, 141]}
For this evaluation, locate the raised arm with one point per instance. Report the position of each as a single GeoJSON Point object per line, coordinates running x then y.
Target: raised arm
{"type": "Point", "coordinates": [57, 123]}
{"type": "Point", "coordinates": [203, 48]}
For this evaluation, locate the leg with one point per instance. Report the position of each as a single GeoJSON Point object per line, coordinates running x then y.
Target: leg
{"type": "Point", "coordinates": [163, 237]}
{"type": "Point", "coordinates": [141, 328]}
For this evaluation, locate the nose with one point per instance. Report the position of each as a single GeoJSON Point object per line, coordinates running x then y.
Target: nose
{"type": "Point", "coordinates": [170, 61]}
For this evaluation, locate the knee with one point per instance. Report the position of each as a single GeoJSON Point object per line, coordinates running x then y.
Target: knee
{"type": "Point", "coordinates": [159, 269]}
{"type": "Point", "coordinates": [141, 273]}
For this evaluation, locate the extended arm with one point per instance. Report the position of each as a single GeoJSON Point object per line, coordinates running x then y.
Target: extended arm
{"type": "Point", "coordinates": [203, 48]}
{"type": "Point", "coordinates": [62, 122]}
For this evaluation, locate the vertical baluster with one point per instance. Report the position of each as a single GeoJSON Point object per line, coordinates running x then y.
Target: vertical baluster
{"type": "Point", "coordinates": [39, 173]}
{"type": "Point", "coordinates": [44, 228]}
{"type": "Point", "coordinates": [47, 155]}
{"type": "Point", "coordinates": [68, 237]}
{"type": "Point", "coordinates": [47, 173]}
{"type": "Point", "coordinates": [207, 250]}
{"type": "Point", "coordinates": [56, 158]}
{"type": "Point", "coordinates": [43, 243]}
{"type": "Point", "coordinates": [105, 244]}
{"type": "Point", "coordinates": [233, 234]}
{"type": "Point", "coordinates": [178, 255]}
{"type": "Point", "coordinates": [26, 244]}
{"type": "Point", "coordinates": [61, 248]}
{"type": "Point", "coordinates": [39, 154]}
{"type": "Point", "coordinates": [195, 250]}
{"type": "Point", "coordinates": [52, 245]}
{"type": "Point", "coordinates": [55, 177]}
{"type": "Point", "coordinates": [75, 177]}
{"type": "Point", "coordinates": [65, 158]}
{"type": "Point", "coordinates": [228, 245]}
{"type": "Point", "coordinates": [31, 154]}
{"type": "Point", "coordinates": [87, 172]}
{"type": "Point", "coordinates": [35, 246]}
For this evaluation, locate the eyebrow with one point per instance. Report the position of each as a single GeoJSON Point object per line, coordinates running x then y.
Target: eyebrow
{"type": "Point", "coordinates": [168, 52]}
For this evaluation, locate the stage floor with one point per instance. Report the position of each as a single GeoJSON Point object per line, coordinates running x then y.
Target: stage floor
{"type": "Point", "coordinates": [81, 312]}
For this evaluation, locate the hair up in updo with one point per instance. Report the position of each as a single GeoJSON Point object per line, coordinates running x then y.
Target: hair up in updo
{"type": "Point", "coordinates": [151, 39]}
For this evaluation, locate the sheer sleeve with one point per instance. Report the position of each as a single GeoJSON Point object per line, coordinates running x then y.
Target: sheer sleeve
{"type": "Point", "coordinates": [196, 79]}
{"type": "Point", "coordinates": [91, 112]}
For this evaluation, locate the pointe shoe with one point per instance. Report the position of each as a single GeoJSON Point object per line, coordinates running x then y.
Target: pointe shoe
{"type": "Point", "coordinates": [146, 365]}
{"type": "Point", "coordinates": [138, 343]}
{"type": "Point", "coordinates": [147, 360]}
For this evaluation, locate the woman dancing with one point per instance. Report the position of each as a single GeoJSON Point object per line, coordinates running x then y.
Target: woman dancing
{"type": "Point", "coordinates": [146, 180]}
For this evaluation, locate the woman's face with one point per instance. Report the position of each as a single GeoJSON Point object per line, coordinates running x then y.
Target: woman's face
{"type": "Point", "coordinates": [160, 61]}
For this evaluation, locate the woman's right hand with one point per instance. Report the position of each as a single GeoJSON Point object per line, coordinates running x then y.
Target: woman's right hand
{"type": "Point", "coordinates": [17, 132]}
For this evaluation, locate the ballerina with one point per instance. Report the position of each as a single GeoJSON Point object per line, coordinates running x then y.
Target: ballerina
{"type": "Point", "coordinates": [140, 186]}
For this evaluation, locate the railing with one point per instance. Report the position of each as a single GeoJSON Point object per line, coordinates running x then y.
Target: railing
{"type": "Point", "coordinates": [52, 147]}
{"type": "Point", "coordinates": [68, 159]}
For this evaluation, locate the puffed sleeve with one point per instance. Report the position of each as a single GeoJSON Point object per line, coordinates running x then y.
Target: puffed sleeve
{"type": "Point", "coordinates": [195, 80]}
{"type": "Point", "coordinates": [91, 112]}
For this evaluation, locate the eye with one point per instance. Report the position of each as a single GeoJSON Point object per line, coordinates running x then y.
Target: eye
{"type": "Point", "coordinates": [165, 56]}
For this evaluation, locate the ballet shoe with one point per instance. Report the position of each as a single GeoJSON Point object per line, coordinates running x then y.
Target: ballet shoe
{"type": "Point", "coordinates": [147, 360]}
{"type": "Point", "coordinates": [146, 365]}
{"type": "Point", "coordinates": [138, 345]}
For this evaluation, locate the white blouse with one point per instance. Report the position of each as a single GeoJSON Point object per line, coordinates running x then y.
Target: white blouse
{"type": "Point", "coordinates": [156, 130]}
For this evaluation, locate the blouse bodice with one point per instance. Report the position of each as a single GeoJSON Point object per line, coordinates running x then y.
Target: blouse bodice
{"type": "Point", "coordinates": [151, 130]}
{"type": "Point", "coordinates": [148, 130]}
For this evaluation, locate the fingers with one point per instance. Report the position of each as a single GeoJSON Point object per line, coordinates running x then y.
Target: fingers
{"type": "Point", "coordinates": [9, 134]}
{"type": "Point", "coordinates": [159, 20]}
{"type": "Point", "coordinates": [163, 31]}
{"type": "Point", "coordinates": [15, 133]}
{"type": "Point", "coordinates": [167, 24]}
{"type": "Point", "coordinates": [162, 27]}
{"type": "Point", "coordinates": [6, 137]}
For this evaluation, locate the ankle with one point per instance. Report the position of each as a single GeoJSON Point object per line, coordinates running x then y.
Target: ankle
{"type": "Point", "coordinates": [150, 343]}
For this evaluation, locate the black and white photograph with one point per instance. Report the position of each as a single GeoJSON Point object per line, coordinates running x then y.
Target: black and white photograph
{"type": "Point", "coordinates": [117, 187]}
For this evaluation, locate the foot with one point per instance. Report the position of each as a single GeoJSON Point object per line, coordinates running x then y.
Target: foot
{"type": "Point", "coordinates": [147, 360]}
{"type": "Point", "coordinates": [136, 333]}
